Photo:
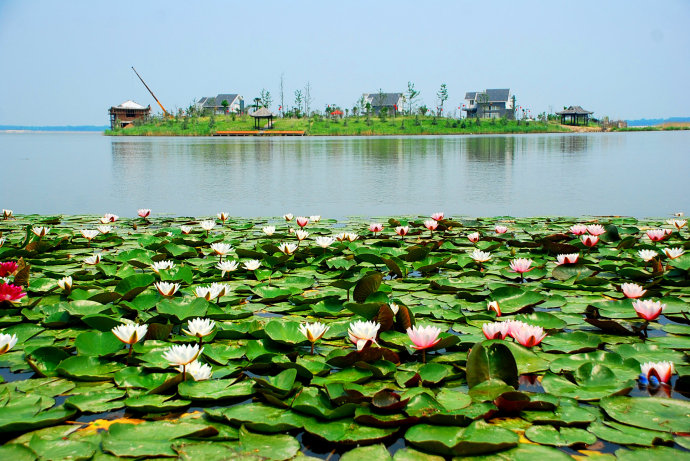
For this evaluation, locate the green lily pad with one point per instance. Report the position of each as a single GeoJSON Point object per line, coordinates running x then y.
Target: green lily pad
{"type": "Point", "coordinates": [559, 437]}
{"type": "Point", "coordinates": [592, 382]}
{"type": "Point", "coordinates": [476, 439]}
{"type": "Point", "coordinates": [653, 413]}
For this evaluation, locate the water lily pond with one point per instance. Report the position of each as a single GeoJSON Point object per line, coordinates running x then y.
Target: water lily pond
{"type": "Point", "coordinates": [405, 338]}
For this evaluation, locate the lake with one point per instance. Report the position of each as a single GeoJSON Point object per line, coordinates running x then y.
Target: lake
{"type": "Point", "coordinates": [640, 174]}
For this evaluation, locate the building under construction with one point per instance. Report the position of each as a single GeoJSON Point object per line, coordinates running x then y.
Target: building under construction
{"type": "Point", "coordinates": [124, 115]}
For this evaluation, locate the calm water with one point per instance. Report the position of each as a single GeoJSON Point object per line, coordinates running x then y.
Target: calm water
{"type": "Point", "coordinates": [640, 174]}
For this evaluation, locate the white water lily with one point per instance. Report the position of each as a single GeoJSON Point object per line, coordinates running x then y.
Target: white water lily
{"type": "Point", "coordinates": [2, 241]}
{"type": "Point", "coordinates": [223, 216]}
{"type": "Point", "coordinates": [162, 266]}
{"type": "Point", "coordinates": [219, 289]}
{"type": "Point", "coordinates": [677, 223]}
{"type": "Point", "coordinates": [673, 253]}
{"type": "Point", "coordinates": [65, 283]}
{"type": "Point", "coordinates": [252, 264]}
{"type": "Point", "coordinates": [204, 292]}
{"type": "Point", "coordinates": [199, 371]}
{"type": "Point", "coordinates": [207, 225]}
{"type": "Point", "coordinates": [7, 214]}
{"type": "Point", "coordinates": [288, 216]}
{"type": "Point", "coordinates": [647, 255]}
{"type": "Point", "coordinates": [130, 333]}
{"type": "Point", "coordinates": [315, 218]}
{"type": "Point", "coordinates": [167, 289]}
{"type": "Point", "coordinates": [493, 306]}
{"type": "Point", "coordinates": [109, 217]}
{"type": "Point", "coordinates": [287, 248]}
{"type": "Point", "coordinates": [221, 249]}
{"type": "Point", "coordinates": [104, 229]}
{"type": "Point", "coordinates": [227, 266]}
{"type": "Point", "coordinates": [186, 229]}
{"type": "Point", "coordinates": [361, 332]}
{"type": "Point", "coordinates": [199, 327]}
{"type": "Point", "coordinates": [301, 234]}
{"type": "Point", "coordinates": [351, 236]}
{"type": "Point", "coordinates": [93, 260]}
{"type": "Point", "coordinates": [182, 355]}
{"type": "Point", "coordinates": [313, 332]}
{"type": "Point", "coordinates": [570, 258]}
{"type": "Point", "coordinates": [7, 342]}
{"type": "Point", "coordinates": [269, 230]}
{"type": "Point", "coordinates": [324, 242]}
{"type": "Point", "coordinates": [40, 231]}
{"type": "Point", "coordinates": [89, 234]}
{"type": "Point", "coordinates": [394, 307]}
{"type": "Point", "coordinates": [480, 256]}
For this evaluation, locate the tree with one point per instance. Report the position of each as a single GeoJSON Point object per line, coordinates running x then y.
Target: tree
{"type": "Point", "coordinates": [266, 98]}
{"type": "Point", "coordinates": [225, 105]}
{"type": "Point", "coordinates": [442, 96]}
{"type": "Point", "coordinates": [412, 94]}
{"type": "Point", "coordinates": [282, 98]}
{"type": "Point", "coordinates": [307, 98]}
{"type": "Point", "coordinates": [257, 103]}
{"type": "Point", "coordinates": [299, 99]}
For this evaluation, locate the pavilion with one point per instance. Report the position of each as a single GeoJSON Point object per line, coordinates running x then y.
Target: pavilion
{"type": "Point", "coordinates": [264, 114]}
{"type": "Point", "coordinates": [574, 115]}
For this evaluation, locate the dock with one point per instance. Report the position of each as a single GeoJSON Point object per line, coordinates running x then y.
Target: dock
{"type": "Point", "coordinates": [260, 133]}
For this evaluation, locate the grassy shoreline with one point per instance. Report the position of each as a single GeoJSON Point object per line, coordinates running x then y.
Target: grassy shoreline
{"type": "Point", "coordinates": [352, 126]}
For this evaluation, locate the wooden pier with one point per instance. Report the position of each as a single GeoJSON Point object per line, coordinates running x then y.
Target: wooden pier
{"type": "Point", "coordinates": [260, 133]}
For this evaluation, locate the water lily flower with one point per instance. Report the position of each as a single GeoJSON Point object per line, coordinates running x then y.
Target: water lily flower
{"type": "Point", "coordinates": [269, 230]}
{"type": "Point", "coordinates": [341, 236]}
{"type": "Point", "coordinates": [500, 229]}
{"type": "Point", "coordinates": [315, 218]}
{"type": "Point", "coordinates": [656, 235]}
{"type": "Point", "coordinates": [515, 325]}
{"type": "Point", "coordinates": [302, 221]}
{"type": "Point", "coordinates": [199, 327]}
{"type": "Point", "coordinates": [394, 307]}
{"type": "Point", "coordinates": [207, 225]}
{"type": "Point", "coordinates": [647, 255]}
{"type": "Point", "coordinates": [2, 241]}
{"type": "Point", "coordinates": [89, 234]}
{"type": "Point", "coordinates": [673, 253]}
{"type": "Point", "coordinates": [109, 217]}
{"type": "Point", "coordinates": [287, 248]}
{"type": "Point", "coordinates": [496, 330]}
{"type": "Point", "coordinates": [104, 229]}
{"type": "Point", "coordinates": [656, 373]}
{"type": "Point", "coordinates": [199, 371]}
{"type": "Point", "coordinates": [7, 342]}
{"type": "Point", "coordinates": [130, 333]}
{"type": "Point", "coordinates": [570, 258]}
{"type": "Point", "coordinates": [437, 216]}
{"type": "Point", "coordinates": [677, 223]}
{"type": "Point", "coordinates": [313, 332]}
{"type": "Point", "coordinates": [182, 355]}
{"type": "Point", "coordinates": [93, 260]}
{"type": "Point", "coordinates": [252, 264]}
{"type": "Point", "coordinates": [351, 236]}
{"type": "Point", "coordinates": [521, 265]}
{"type": "Point", "coordinates": [324, 242]}
{"type": "Point", "coordinates": [301, 234]}
{"type": "Point", "coordinates": [589, 240]}
{"type": "Point", "coordinates": [8, 268]}
{"type": "Point", "coordinates": [578, 229]}
{"type": "Point", "coordinates": [480, 256]}
{"type": "Point", "coordinates": [648, 309]}
{"type": "Point", "coordinates": [375, 227]}
{"type": "Point", "coordinates": [473, 237]}
{"type": "Point", "coordinates": [65, 284]}
{"type": "Point", "coordinates": [431, 225]}
{"type": "Point", "coordinates": [218, 289]}
{"type": "Point", "coordinates": [361, 332]}
{"type": "Point", "coordinates": [423, 338]}
{"type": "Point", "coordinates": [288, 216]}
{"type": "Point", "coordinates": [185, 229]}
{"type": "Point", "coordinates": [527, 335]}
{"type": "Point", "coordinates": [205, 292]}
{"type": "Point", "coordinates": [632, 290]}
{"type": "Point", "coordinates": [7, 214]}
{"type": "Point", "coordinates": [493, 306]}
{"type": "Point", "coordinates": [223, 216]}
{"type": "Point", "coordinates": [10, 292]}
{"type": "Point", "coordinates": [221, 249]}
{"type": "Point", "coordinates": [227, 266]}
{"type": "Point", "coordinates": [402, 231]}
{"type": "Point", "coordinates": [162, 266]}
{"type": "Point", "coordinates": [596, 229]}
{"type": "Point", "coordinates": [40, 231]}
{"type": "Point", "coordinates": [167, 289]}
{"type": "Point", "coordinates": [143, 212]}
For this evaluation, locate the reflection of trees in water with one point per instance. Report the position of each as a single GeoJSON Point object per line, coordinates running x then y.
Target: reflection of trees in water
{"type": "Point", "coordinates": [490, 148]}
{"type": "Point", "coordinates": [572, 143]}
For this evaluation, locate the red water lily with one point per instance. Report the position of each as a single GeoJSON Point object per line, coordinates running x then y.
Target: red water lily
{"type": "Point", "coordinates": [8, 268]}
{"type": "Point", "coordinates": [9, 292]}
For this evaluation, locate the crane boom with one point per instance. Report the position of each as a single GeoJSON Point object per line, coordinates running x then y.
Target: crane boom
{"type": "Point", "coordinates": [154, 96]}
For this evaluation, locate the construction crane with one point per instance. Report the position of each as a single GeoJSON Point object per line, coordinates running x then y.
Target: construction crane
{"type": "Point", "coordinates": [165, 112]}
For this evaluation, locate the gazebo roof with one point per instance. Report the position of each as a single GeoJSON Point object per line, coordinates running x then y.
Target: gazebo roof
{"type": "Point", "coordinates": [262, 113]}
{"type": "Point", "coordinates": [574, 110]}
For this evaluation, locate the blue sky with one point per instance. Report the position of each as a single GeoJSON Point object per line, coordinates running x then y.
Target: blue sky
{"type": "Point", "coordinates": [67, 62]}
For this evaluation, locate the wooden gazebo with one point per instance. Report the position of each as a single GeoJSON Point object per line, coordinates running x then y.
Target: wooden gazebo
{"type": "Point", "coordinates": [262, 114]}
{"type": "Point", "coordinates": [574, 115]}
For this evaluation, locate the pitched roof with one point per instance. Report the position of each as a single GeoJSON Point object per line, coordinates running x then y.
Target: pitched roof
{"type": "Point", "coordinates": [498, 94]}
{"type": "Point", "coordinates": [574, 110]}
{"type": "Point", "coordinates": [129, 104]}
{"type": "Point", "coordinates": [262, 112]}
{"type": "Point", "coordinates": [471, 95]}
{"type": "Point", "coordinates": [229, 97]}
{"type": "Point", "coordinates": [383, 99]}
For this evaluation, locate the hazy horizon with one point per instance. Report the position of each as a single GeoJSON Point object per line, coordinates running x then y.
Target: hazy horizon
{"type": "Point", "coordinates": [68, 62]}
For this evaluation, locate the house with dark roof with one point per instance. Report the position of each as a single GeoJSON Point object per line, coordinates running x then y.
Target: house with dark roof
{"type": "Point", "coordinates": [215, 103]}
{"type": "Point", "coordinates": [490, 103]}
{"type": "Point", "coordinates": [393, 102]}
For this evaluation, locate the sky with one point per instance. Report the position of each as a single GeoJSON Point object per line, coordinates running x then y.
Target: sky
{"type": "Point", "coordinates": [66, 63]}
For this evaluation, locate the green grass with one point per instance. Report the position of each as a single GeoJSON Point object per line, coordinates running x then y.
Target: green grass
{"type": "Point", "coordinates": [352, 126]}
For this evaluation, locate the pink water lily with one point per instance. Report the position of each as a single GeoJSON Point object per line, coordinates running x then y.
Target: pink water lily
{"type": "Point", "coordinates": [437, 216]}
{"type": "Point", "coordinates": [521, 265]}
{"type": "Point", "coordinates": [570, 258]}
{"type": "Point", "coordinates": [656, 235]}
{"type": "Point", "coordinates": [402, 230]}
{"type": "Point", "coordinates": [424, 338]}
{"type": "Point", "coordinates": [431, 225]}
{"type": "Point", "coordinates": [496, 330]}
{"type": "Point", "coordinates": [589, 240]}
{"type": "Point", "coordinates": [632, 290]}
{"type": "Point", "coordinates": [473, 237]}
{"type": "Point", "coordinates": [596, 229]}
{"type": "Point", "coordinates": [528, 335]}
{"type": "Point", "coordinates": [302, 221]}
{"type": "Point", "coordinates": [144, 212]}
{"type": "Point", "coordinates": [493, 306]}
{"type": "Point", "coordinates": [578, 229]}
{"type": "Point", "coordinates": [11, 293]}
{"type": "Point", "coordinates": [8, 268]}
{"type": "Point", "coordinates": [375, 227]}
{"type": "Point", "coordinates": [500, 229]}
{"type": "Point", "coordinates": [648, 309]}
{"type": "Point", "coordinates": [662, 371]}
{"type": "Point", "coordinates": [514, 326]}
